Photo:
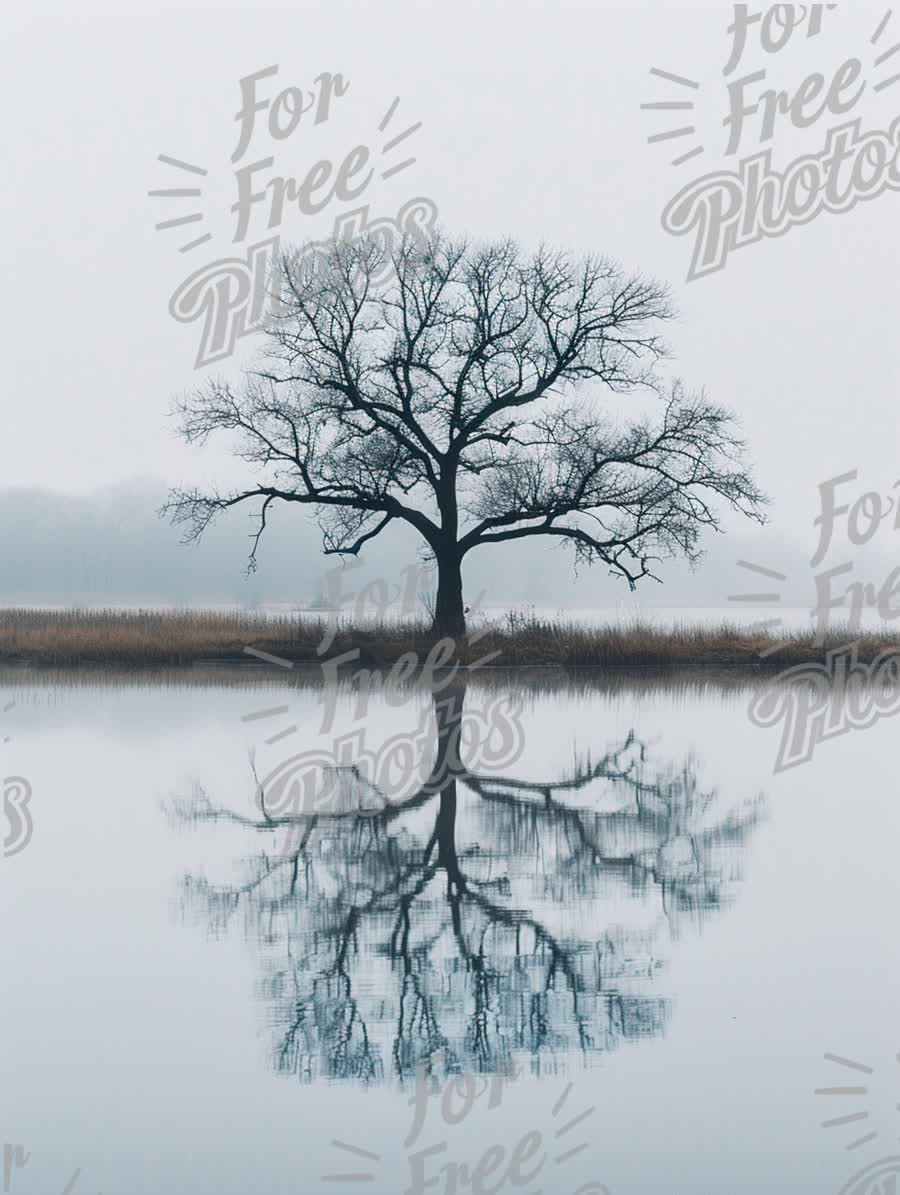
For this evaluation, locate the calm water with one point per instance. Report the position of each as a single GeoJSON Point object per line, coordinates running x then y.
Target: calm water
{"type": "Point", "coordinates": [604, 923]}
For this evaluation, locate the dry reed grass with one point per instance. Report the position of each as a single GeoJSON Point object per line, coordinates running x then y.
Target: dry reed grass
{"type": "Point", "coordinates": [144, 639]}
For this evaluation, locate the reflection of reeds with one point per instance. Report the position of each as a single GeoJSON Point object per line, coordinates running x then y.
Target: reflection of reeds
{"type": "Point", "coordinates": [193, 638]}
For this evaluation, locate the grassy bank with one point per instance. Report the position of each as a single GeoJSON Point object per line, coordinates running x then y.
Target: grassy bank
{"type": "Point", "coordinates": [182, 639]}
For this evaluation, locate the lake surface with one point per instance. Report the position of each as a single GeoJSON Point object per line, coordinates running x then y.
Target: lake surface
{"type": "Point", "coordinates": [613, 942]}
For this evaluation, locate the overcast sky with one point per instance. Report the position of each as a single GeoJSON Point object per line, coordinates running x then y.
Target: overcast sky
{"type": "Point", "coordinates": [531, 125]}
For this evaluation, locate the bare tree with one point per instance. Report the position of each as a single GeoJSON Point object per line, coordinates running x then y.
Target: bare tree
{"type": "Point", "coordinates": [461, 400]}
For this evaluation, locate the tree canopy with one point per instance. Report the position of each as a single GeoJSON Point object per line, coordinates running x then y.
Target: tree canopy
{"type": "Point", "coordinates": [469, 398]}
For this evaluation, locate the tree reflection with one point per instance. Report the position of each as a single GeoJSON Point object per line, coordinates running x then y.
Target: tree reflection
{"type": "Point", "coordinates": [483, 923]}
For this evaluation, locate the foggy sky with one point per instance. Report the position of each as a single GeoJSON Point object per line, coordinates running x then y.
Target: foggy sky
{"type": "Point", "coordinates": [531, 127]}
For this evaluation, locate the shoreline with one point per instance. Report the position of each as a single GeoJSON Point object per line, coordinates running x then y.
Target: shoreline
{"type": "Point", "coordinates": [190, 641]}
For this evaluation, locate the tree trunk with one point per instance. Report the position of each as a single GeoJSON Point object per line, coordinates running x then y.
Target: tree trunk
{"type": "Point", "coordinates": [449, 618]}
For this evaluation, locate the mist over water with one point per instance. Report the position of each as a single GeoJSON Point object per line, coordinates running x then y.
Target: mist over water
{"type": "Point", "coordinates": [109, 548]}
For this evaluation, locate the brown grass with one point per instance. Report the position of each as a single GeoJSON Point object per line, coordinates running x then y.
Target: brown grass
{"type": "Point", "coordinates": [142, 639]}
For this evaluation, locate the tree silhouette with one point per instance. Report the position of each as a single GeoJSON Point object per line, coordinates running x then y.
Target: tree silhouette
{"type": "Point", "coordinates": [457, 400]}
{"type": "Point", "coordinates": [483, 921]}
